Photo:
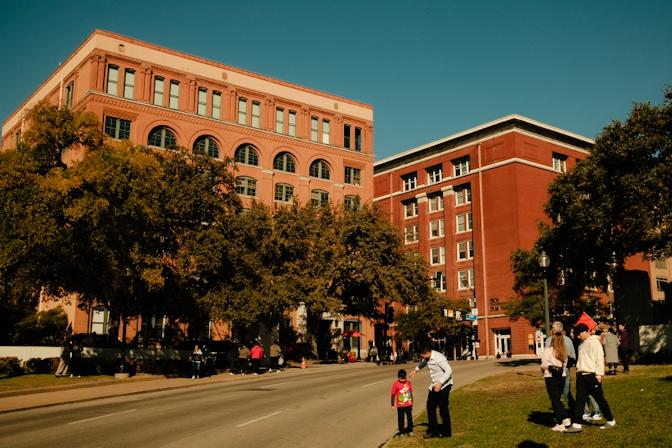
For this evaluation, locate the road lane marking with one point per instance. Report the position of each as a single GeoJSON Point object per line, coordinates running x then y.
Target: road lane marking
{"type": "Point", "coordinates": [371, 384]}
{"type": "Point", "coordinates": [258, 419]}
{"type": "Point", "coordinates": [101, 416]}
{"type": "Point", "coordinates": [270, 386]}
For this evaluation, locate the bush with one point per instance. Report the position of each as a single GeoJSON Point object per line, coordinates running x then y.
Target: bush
{"type": "Point", "coordinates": [43, 328]}
{"type": "Point", "coordinates": [38, 365]}
{"type": "Point", "coordinates": [10, 367]}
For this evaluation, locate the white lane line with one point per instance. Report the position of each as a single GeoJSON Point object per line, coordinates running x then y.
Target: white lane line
{"type": "Point", "coordinates": [270, 386]}
{"type": "Point", "coordinates": [258, 419]}
{"type": "Point", "coordinates": [371, 384]}
{"type": "Point", "coordinates": [101, 416]}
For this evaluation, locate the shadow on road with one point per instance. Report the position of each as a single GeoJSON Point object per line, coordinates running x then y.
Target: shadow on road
{"type": "Point", "coordinates": [518, 362]}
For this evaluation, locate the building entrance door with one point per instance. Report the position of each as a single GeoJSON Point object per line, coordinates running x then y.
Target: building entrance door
{"type": "Point", "coordinates": [502, 341]}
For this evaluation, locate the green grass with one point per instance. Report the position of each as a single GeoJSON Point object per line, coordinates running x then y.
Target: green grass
{"type": "Point", "coordinates": [513, 410]}
{"type": "Point", "coordinates": [45, 380]}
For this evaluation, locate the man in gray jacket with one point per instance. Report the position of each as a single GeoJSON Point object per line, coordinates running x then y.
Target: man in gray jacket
{"type": "Point", "coordinates": [441, 375]}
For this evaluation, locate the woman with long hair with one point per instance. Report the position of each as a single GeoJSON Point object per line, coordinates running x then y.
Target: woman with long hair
{"type": "Point", "coordinates": [553, 363]}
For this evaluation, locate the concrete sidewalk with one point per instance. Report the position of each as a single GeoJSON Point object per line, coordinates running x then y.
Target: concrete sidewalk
{"type": "Point", "coordinates": [28, 399]}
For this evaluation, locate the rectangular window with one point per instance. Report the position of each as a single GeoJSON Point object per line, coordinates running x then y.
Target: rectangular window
{"type": "Point", "coordinates": [326, 130]}
{"type": "Point", "coordinates": [559, 163]}
{"type": "Point", "coordinates": [464, 222]}
{"type": "Point", "coordinates": [129, 84]}
{"type": "Point", "coordinates": [436, 228]}
{"type": "Point", "coordinates": [435, 203]}
{"type": "Point", "coordinates": [216, 105]}
{"type": "Point", "coordinates": [202, 108]}
{"type": "Point", "coordinates": [465, 279]}
{"type": "Point", "coordinates": [279, 120]}
{"type": "Point", "coordinates": [661, 283]}
{"type": "Point", "coordinates": [284, 192]}
{"type": "Point", "coordinates": [319, 198]}
{"type": "Point", "coordinates": [440, 281]}
{"type": "Point", "coordinates": [113, 80]}
{"type": "Point", "coordinates": [358, 139]}
{"type": "Point", "coordinates": [346, 136]}
{"type": "Point", "coordinates": [434, 174]}
{"type": "Point", "coordinates": [313, 129]}
{"type": "Point", "coordinates": [465, 250]}
{"type": "Point", "coordinates": [461, 166]}
{"type": "Point", "coordinates": [352, 176]}
{"type": "Point", "coordinates": [118, 128]}
{"type": "Point", "coordinates": [242, 110]}
{"type": "Point", "coordinates": [410, 181]}
{"type": "Point", "coordinates": [437, 255]}
{"type": "Point", "coordinates": [351, 202]}
{"type": "Point", "coordinates": [174, 100]}
{"type": "Point", "coordinates": [69, 91]}
{"type": "Point", "coordinates": [292, 123]}
{"type": "Point", "coordinates": [158, 91]}
{"type": "Point", "coordinates": [100, 321]}
{"type": "Point", "coordinates": [246, 186]}
{"type": "Point", "coordinates": [256, 114]}
{"type": "Point", "coordinates": [463, 195]}
{"type": "Point", "coordinates": [411, 233]}
{"type": "Point", "coordinates": [410, 209]}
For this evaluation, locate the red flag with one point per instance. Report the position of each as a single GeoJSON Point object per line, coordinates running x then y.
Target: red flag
{"type": "Point", "coordinates": [587, 320]}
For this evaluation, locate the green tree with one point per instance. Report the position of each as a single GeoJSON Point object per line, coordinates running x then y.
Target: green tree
{"type": "Point", "coordinates": [615, 204]}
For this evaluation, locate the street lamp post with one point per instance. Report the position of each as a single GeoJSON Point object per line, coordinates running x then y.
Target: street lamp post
{"type": "Point", "coordinates": [544, 261]}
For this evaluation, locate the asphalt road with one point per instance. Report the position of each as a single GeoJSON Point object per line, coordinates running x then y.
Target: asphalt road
{"type": "Point", "coordinates": [325, 406]}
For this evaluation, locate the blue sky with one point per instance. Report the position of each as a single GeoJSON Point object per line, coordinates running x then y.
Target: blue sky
{"type": "Point", "coordinates": [430, 68]}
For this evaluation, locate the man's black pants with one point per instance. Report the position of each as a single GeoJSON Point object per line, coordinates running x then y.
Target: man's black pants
{"type": "Point", "coordinates": [587, 384]}
{"type": "Point", "coordinates": [441, 400]}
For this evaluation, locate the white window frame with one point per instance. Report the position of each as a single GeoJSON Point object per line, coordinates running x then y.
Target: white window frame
{"type": "Point", "coordinates": [216, 105]}
{"type": "Point", "coordinates": [100, 326]}
{"type": "Point", "coordinates": [465, 247]}
{"type": "Point", "coordinates": [435, 202]}
{"type": "Point", "coordinates": [410, 209]}
{"type": "Point", "coordinates": [411, 234]}
{"type": "Point", "coordinates": [463, 195]}
{"type": "Point", "coordinates": [559, 163]}
{"type": "Point", "coordinates": [465, 279]}
{"type": "Point", "coordinates": [129, 83]}
{"type": "Point", "coordinates": [280, 120]}
{"type": "Point", "coordinates": [436, 228]}
{"type": "Point", "coordinates": [434, 174]}
{"type": "Point", "coordinates": [174, 95]}
{"type": "Point", "coordinates": [439, 281]}
{"type": "Point", "coordinates": [291, 123]}
{"type": "Point", "coordinates": [202, 106]}
{"type": "Point", "coordinates": [352, 176]}
{"type": "Point", "coordinates": [159, 86]}
{"type": "Point", "coordinates": [464, 222]}
{"type": "Point", "coordinates": [409, 181]}
{"type": "Point", "coordinates": [314, 133]}
{"type": "Point", "coordinates": [242, 111]}
{"type": "Point", "coordinates": [461, 166]}
{"type": "Point", "coordinates": [437, 255]}
{"type": "Point", "coordinates": [326, 132]}
{"type": "Point", "coordinates": [256, 114]}
{"type": "Point", "coordinates": [112, 87]}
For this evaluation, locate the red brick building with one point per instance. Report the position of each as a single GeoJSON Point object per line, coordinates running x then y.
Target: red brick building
{"type": "Point", "coordinates": [289, 142]}
{"type": "Point", "coordinates": [467, 201]}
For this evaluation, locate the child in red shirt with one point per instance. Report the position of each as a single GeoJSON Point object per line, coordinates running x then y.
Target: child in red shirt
{"type": "Point", "coordinates": [402, 399]}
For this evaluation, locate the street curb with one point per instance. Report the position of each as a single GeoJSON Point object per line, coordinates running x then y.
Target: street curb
{"type": "Point", "coordinates": [39, 390]}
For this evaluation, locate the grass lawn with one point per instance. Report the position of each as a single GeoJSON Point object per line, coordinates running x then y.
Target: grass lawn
{"type": "Point", "coordinates": [513, 410]}
{"type": "Point", "coordinates": [45, 380]}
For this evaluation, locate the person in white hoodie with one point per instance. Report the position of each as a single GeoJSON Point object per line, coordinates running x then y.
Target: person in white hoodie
{"type": "Point", "coordinates": [589, 374]}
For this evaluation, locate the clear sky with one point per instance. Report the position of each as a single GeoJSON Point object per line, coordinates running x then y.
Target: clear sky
{"type": "Point", "coordinates": [429, 68]}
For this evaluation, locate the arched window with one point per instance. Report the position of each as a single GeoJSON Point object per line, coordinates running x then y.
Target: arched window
{"type": "Point", "coordinates": [246, 186]}
{"type": "Point", "coordinates": [206, 145]}
{"type": "Point", "coordinates": [162, 137]}
{"type": "Point", "coordinates": [284, 162]}
{"type": "Point", "coordinates": [284, 192]}
{"type": "Point", "coordinates": [247, 154]}
{"type": "Point", "coordinates": [320, 169]}
{"type": "Point", "coordinates": [319, 198]}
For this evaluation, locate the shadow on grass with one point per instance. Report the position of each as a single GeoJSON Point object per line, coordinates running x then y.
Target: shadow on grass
{"type": "Point", "coordinates": [541, 418]}
{"type": "Point", "coordinates": [518, 362]}
{"type": "Point", "coordinates": [667, 378]}
{"type": "Point", "coordinates": [531, 444]}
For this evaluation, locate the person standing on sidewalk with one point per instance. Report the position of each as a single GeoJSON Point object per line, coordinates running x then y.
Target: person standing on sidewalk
{"type": "Point", "coordinates": [256, 355]}
{"type": "Point", "coordinates": [274, 353]}
{"type": "Point", "coordinates": [402, 399]}
{"type": "Point", "coordinates": [441, 375]}
{"type": "Point", "coordinates": [243, 358]}
{"type": "Point", "coordinates": [589, 373]}
{"type": "Point", "coordinates": [196, 362]}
